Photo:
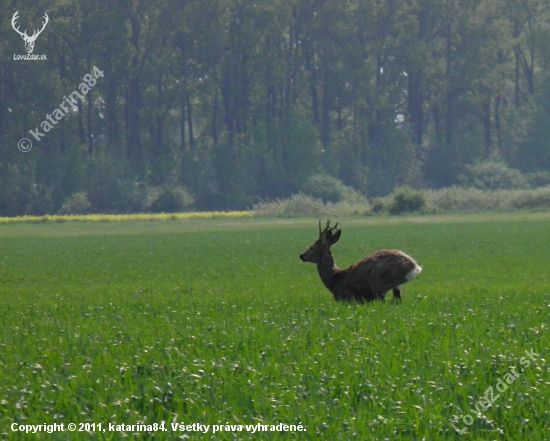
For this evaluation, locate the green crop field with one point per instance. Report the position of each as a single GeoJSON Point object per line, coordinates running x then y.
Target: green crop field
{"type": "Point", "coordinates": [214, 329]}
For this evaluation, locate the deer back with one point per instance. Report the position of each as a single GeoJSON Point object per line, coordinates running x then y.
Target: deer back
{"type": "Point", "coordinates": [377, 273]}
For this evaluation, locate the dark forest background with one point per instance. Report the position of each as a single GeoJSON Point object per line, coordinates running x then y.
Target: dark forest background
{"type": "Point", "coordinates": [216, 104]}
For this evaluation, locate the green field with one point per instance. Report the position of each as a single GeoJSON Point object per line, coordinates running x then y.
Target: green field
{"type": "Point", "coordinates": [218, 322]}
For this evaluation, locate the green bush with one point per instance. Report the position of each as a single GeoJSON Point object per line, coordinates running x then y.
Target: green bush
{"type": "Point", "coordinates": [538, 179]}
{"type": "Point", "coordinates": [77, 203]}
{"type": "Point", "coordinates": [112, 189]}
{"type": "Point", "coordinates": [297, 205]}
{"type": "Point", "coordinates": [536, 199]}
{"type": "Point", "coordinates": [493, 175]}
{"type": "Point", "coordinates": [378, 205]}
{"type": "Point", "coordinates": [304, 205]}
{"type": "Point", "coordinates": [168, 199]}
{"type": "Point", "coordinates": [328, 189]}
{"type": "Point", "coordinates": [406, 200]}
{"type": "Point", "coordinates": [466, 200]}
{"type": "Point", "coordinates": [473, 200]}
{"type": "Point", "coordinates": [21, 193]}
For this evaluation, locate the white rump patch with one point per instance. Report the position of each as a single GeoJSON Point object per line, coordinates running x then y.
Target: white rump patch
{"type": "Point", "coordinates": [413, 273]}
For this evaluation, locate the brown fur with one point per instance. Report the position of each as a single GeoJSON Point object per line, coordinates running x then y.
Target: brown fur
{"type": "Point", "coordinates": [366, 280]}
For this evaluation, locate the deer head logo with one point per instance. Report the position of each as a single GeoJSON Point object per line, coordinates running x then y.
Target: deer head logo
{"type": "Point", "coordinates": [29, 41]}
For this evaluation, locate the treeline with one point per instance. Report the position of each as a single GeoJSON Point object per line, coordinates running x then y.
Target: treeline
{"type": "Point", "coordinates": [216, 104]}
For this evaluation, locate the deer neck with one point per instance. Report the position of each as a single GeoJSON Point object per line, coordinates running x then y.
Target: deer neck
{"type": "Point", "coordinates": [327, 270]}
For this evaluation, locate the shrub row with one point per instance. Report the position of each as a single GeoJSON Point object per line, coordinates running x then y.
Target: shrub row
{"type": "Point", "coordinates": [458, 199]}
{"type": "Point", "coordinates": [161, 199]}
{"type": "Point", "coordinates": [407, 200]}
{"type": "Point", "coordinates": [303, 205]}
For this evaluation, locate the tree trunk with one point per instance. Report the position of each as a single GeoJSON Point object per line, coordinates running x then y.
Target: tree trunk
{"type": "Point", "coordinates": [190, 122]}
{"type": "Point", "coordinates": [416, 111]}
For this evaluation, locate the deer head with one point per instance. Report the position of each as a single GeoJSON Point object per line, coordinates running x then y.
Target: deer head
{"type": "Point", "coordinates": [29, 41]}
{"type": "Point", "coordinates": [327, 238]}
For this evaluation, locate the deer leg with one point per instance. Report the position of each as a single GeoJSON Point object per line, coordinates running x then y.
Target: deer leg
{"type": "Point", "coordinates": [396, 295]}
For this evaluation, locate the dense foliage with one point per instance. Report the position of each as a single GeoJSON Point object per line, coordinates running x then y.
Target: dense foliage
{"type": "Point", "coordinates": [217, 103]}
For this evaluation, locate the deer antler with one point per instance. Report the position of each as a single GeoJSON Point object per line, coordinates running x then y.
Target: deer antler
{"type": "Point", "coordinates": [16, 29]}
{"type": "Point", "coordinates": [327, 228]}
{"type": "Point", "coordinates": [44, 23]}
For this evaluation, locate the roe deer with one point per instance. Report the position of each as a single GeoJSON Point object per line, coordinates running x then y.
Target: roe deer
{"type": "Point", "coordinates": [368, 279]}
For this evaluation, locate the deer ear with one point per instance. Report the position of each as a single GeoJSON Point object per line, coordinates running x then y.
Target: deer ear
{"type": "Point", "coordinates": [335, 237]}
